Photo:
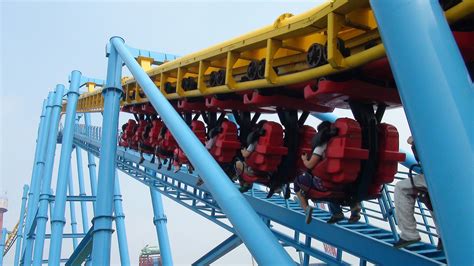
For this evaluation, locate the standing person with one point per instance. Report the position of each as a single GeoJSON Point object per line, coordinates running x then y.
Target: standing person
{"type": "Point", "coordinates": [405, 199]}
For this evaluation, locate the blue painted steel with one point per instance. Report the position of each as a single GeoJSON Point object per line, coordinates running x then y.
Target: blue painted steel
{"type": "Point", "coordinates": [82, 190]}
{"type": "Point", "coordinates": [430, 67]}
{"type": "Point", "coordinates": [72, 209]}
{"type": "Point", "coordinates": [91, 163]}
{"type": "Point", "coordinates": [35, 184]}
{"type": "Point", "coordinates": [85, 80]}
{"type": "Point", "coordinates": [82, 251]}
{"type": "Point", "coordinates": [20, 225]}
{"type": "Point", "coordinates": [219, 251]}
{"type": "Point", "coordinates": [120, 224]}
{"type": "Point", "coordinates": [2, 244]}
{"type": "Point", "coordinates": [160, 220]}
{"type": "Point", "coordinates": [181, 188]}
{"type": "Point", "coordinates": [105, 189]}
{"type": "Point", "coordinates": [57, 220]}
{"type": "Point", "coordinates": [42, 216]}
{"type": "Point", "coordinates": [158, 58]}
{"type": "Point", "coordinates": [261, 243]}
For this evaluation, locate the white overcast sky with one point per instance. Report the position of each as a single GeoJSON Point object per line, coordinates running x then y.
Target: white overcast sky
{"type": "Point", "coordinates": [41, 42]}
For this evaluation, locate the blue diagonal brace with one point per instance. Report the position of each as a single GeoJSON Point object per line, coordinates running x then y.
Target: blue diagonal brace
{"type": "Point", "coordinates": [219, 251]}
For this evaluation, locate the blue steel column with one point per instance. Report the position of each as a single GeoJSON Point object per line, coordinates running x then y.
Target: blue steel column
{"type": "Point", "coordinates": [438, 95]}
{"type": "Point", "coordinates": [35, 184]}
{"type": "Point", "coordinates": [82, 190]}
{"type": "Point", "coordinates": [120, 224]}
{"type": "Point", "coordinates": [42, 216]}
{"type": "Point", "coordinates": [58, 220]}
{"type": "Point", "coordinates": [91, 163]}
{"type": "Point", "coordinates": [248, 225]}
{"type": "Point", "coordinates": [160, 220]}
{"type": "Point", "coordinates": [72, 209]}
{"type": "Point", "coordinates": [20, 225]}
{"type": "Point", "coordinates": [108, 148]}
{"type": "Point", "coordinates": [2, 244]}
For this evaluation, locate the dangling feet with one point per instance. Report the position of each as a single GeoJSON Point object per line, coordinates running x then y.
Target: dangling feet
{"type": "Point", "coordinates": [142, 159]}
{"type": "Point", "coordinates": [355, 213]}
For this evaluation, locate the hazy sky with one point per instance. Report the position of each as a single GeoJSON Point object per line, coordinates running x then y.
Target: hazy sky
{"type": "Point", "coordinates": [41, 42]}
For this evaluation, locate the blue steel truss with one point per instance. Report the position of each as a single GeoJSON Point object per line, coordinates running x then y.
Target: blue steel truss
{"type": "Point", "coordinates": [282, 215]}
{"type": "Point", "coordinates": [277, 222]}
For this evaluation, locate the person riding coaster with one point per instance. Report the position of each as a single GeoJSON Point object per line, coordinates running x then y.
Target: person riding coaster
{"type": "Point", "coordinates": [307, 181]}
{"type": "Point", "coordinates": [144, 144]}
{"type": "Point", "coordinates": [164, 149]}
{"type": "Point", "coordinates": [261, 156]}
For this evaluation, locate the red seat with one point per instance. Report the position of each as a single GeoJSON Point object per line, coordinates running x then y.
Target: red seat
{"type": "Point", "coordinates": [342, 161]}
{"type": "Point", "coordinates": [139, 134]}
{"type": "Point", "coordinates": [167, 145]}
{"type": "Point", "coordinates": [154, 135]}
{"type": "Point", "coordinates": [128, 133]}
{"type": "Point", "coordinates": [226, 144]}
{"type": "Point", "coordinates": [199, 130]}
{"type": "Point", "coordinates": [268, 153]}
{"type": "Point", "coordinates": [341, 164]}
{"type": "Point", "coordinates": [388, 158]}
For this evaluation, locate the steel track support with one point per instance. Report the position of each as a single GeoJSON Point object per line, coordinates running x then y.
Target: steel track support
{"type": "Point", "coordinates": [120, 224]}
{"type": "Point", "coordinates": [160, 220]}
{"type": "Point", "coordinates": [21, 225]}
{"type": "Point", "coordinates": [42, 217]}
{"type": "Point", "coordinates": [64, 173]}
{"type": "Point", "coordinates": [219, 251]}
{"type": "Point", "coordinates": [103, 218]}
{"type": "Point", "coordinates": [257, 237]}
{"type": "Point", "coordinates": [437, 94]}
{"type": "Point", "coordinates": [38, 167]}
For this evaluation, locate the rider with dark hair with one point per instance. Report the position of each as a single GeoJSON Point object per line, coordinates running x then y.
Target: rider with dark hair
{"type": "Point", "coordinates": [240, 165]}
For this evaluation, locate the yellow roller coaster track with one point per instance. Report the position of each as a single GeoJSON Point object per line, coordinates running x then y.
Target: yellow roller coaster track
{"type": "Point", "coordinates": [283, 45]}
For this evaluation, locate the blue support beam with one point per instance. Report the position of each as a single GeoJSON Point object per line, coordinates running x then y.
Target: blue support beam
{"type": "Point", "coordinates": [438, 95]}
{"type": "Point", "coordinates": [91, 163]}
{"type": "Point", "coordinates": [72, 213]}
{"type": "Point", "coordinates": [105, 190]}
{"type": "Point", "coordinates": [35, 183]}
{"type": "Point", "coordinates": [82, 251]}
{"type": "Point", "coordinates": [3, 238]}
{"type": "Point", "coordinates": [82, 190]}
{"type": "Point", "coordinates": [219, 251]}
{"type": "Point", "coordinates": [42, 217]}
{"type": "Point", "coordinates": [120, 224]}
{"type": "Point", "coordinates": [257, 237]}
{"type": "Point", "coordinates": [160, 220]}
{"type": "Point", "coordinates": [158, 58]}
{"type": "Point", "coordinates": [64, 172]}
{"type": "Point", "coordinates": [21, 229]}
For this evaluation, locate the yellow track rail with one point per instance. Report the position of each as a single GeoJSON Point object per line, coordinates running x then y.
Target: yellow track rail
{"type": "Point", "coordinates": [283, 44]}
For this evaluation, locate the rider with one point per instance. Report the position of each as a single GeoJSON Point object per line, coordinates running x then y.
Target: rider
{"type": "Point", "coordinates": [307, 181]}
{"type": "Point", "coordinates": [405, 199]}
